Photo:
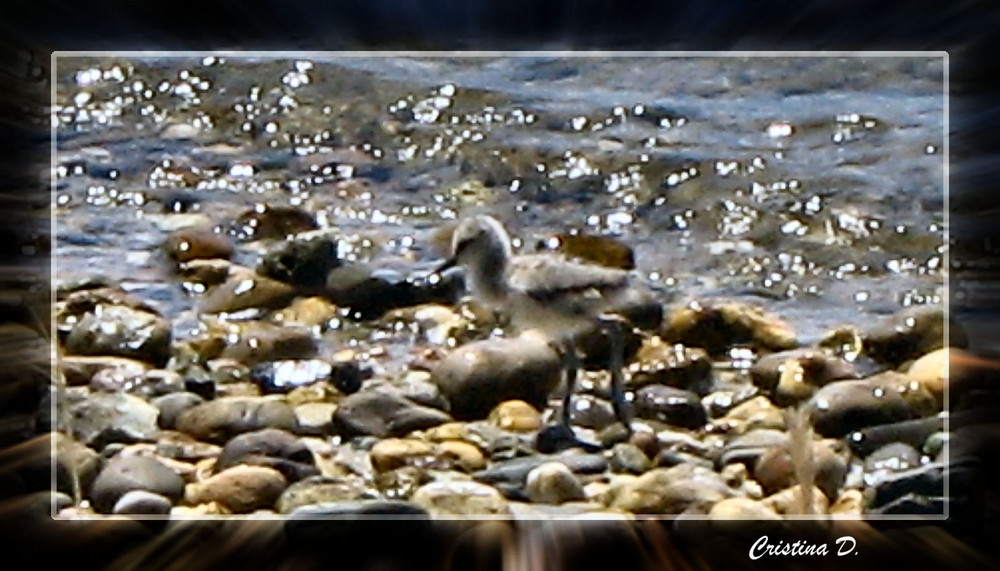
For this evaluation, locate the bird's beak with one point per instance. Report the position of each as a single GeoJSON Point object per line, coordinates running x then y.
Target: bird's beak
{"type": "Point", "coordinates": [447, 265]}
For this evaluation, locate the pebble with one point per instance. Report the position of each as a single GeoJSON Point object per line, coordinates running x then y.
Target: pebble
{"type": "Point", "coordinates": [913, 432]}
{"type": "Point", "coordinates": [125, 474]}
{"type": "Point", "coordinates": [844, 406]}
{"type": "Point", "coordinates": [754, 414]}
{"type": "Point", "coordinates": [142, 502]}
{"type": "Point", "coordinates": [478, 376]}
{"type": "Point", "coordinates": [220, 419]}
{"type": "Point", "coordinates": [393, 453]}
{"type": "Point", "coordinates": [717, 325]}
{"type": "Point", "coordinates": [303, 260]}
{"type": "Point", "coordinates": [74, 461]}
{"type": "Point", "coordinates": [673, 365]}
{"type": "Point", "coordinates": [242, 291]}
{"type": "Point", "coordinates": [515, 471]}
{"type": "Point", "coordinates": [589, 411]}
{"type": "Point", "coordinates": [172, 405]}
{"type": "Point", "coordinates": [315, 418]}
{"type": "Point", "coordinates": [673, 406]}
{"type": "Point", "coordinates": [259, 342]}
{"type": "Point", "coordinates": [180, 446]}
{"type": "Point", "coordinates": [937, 370]}
{"type": "Point", "coordinates": [242, 488]}
{"type": "Point", "coordinates": [417, 386]}
{"type": "Point", "coordinates": [270, 447]}
{"type": "Point", "coordinates": [466, 456]}
{"type": "Point", "coordinates": [628, 458]}
{"type": "Point", "coordinates": [306, 312]}
{"type": "Point", "coordinates": [460, 498]}
{"type": "Point", "coordinates": [383, 413]}
{"type": "Point", "coordinates": [121, 331]}
{"type": "Point", "coordinates": [895, 457]}
{"type": "Point", "coordinates": [265, 221]}
{"type": "Point", "coordinates": [789, 501]}
{"type": "Point", "coordinates": [515, 416]}
{"type": "Point", "coordinates": [321, 490]}
{"type": "Point", "coordinates": [79, 370]}
{"type": "Point", "coordinates": [192, 243]}
{"type": "Point", "coordinates": [671, 491]}
{"type": "Point", "coordinates": [910, 333]}
{"type": "Point", "coordinates": [553, 483]}
{"type": "Point", "coordinates": [775, 469]}
{"type": "Point", "coordinates": [743, 509]}
{"type": "Point", "coordinates": [113, 417]}
{"type": "Point", "coordinates": [208, 273]}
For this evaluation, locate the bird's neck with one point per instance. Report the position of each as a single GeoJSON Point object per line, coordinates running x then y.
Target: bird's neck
{"type": "Point", "coordinates": [489, 278]}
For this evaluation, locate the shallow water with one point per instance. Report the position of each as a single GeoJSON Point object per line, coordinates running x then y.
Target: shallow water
{"type": "Point", "coordinates": [812, 186]}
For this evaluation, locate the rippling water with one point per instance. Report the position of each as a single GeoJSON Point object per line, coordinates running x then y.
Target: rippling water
{"type": "Point", "coordinates": [811, 185]}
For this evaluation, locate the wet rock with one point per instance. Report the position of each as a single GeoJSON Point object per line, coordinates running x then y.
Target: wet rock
{"type": "Point", "coordinates": [141, 502]}
{"type": "Point", "coordinates": [261, 342]}
{"type": "Point", "coordinates": [553, 483]}
{"type": "Point", "coordinates": [242, 291]}
{"type": "Point", "coordinates": [793, 376]}
{"type": "Point", "coordinates": [418, 387]}
{"type": "Point", "coordinates": [775, 469]}
{"type": "Point", "coordinates": [358, 508]}
{"type": "Point", "coordinates": [601, 250]}
{"type": "Point", "coordinates": [718, 325]}
{"type": "Point", "coordinates": [123, 475]}
{"type": "Point", "coordinates": [910, 333]}
{"type": "Point", "coordinates": [80, 370]}
{"type": "Point", "coordinates": [401, 482]}
{"type": "Point", "coordinates": [747, 448]}
{"type": "Point", "coordinates": [515, 416]}
{"type": "Point", "coordinates": [307, 312]}
{"type": "Point", "coordinates": [756, 413]}
{"type": "Point", "coordinates": [269, 447]}
{"type": "Point", "coordinates": [843, 406]}
{"type": "Point", "coordinates": [172, 405]}
{"type": "Point", "coordinates": [370, 292]}
{"type": "Point", "coordinates": [123, 332]}
{"type": "Point", "coordinates": [303, 261]}
{"type": "Point", "coordinates": [460, 498]}
{"type": "Point", "coordinates": [895, 457]}
{"type": "Point", "coordinates": [321, 490]}
{"type": "Point", "coordinates": [463, 455]}
{"type": "Point", "coordinates": [671, 491]}
{"type": "Point", "coordinates": [265, 221]}
{"type": "Point", "coordinates": [113, 417]}
{"type": "Point", "coordinates": [315, 418]}
{"type": "Point", "coordinates": [628, 458]}
{"type": "Point", "coordinates": [589, 411]}
{"type": "Point", "coordinates": [383, 413]}
{"type": "Point", "coordinates": [76, 465]}
{"type": "Point", "coordinates": [193, 243]}
{"type": "Point", "coordinates": [673, 406]}
{"type": "Point", "coordinates": [720, 402]}
{"type": "Point", "coordinates": [744, 509]}
{"type": "Point", "coordinates": [208, 273]}
{"type": "Point", "coordinates": [478, 376]}
{"type": "Point", "coordinates": [221, 419]}
{"type": "Point", "coordinates": [242, 489]}
{"type": "Point", "coordinates": [917, 397]}
{"type": "Point", "coordinates": [849, 502]}
{"type": "Point", "coordinates": [284, 376]}
{"type": "Point", "coordinates": [515, 471]}
{"type": "Point", "coordinates": [913, 432]}
{"type": "Point", "coordinates": [937, 370]}
{"type": "Point", "coordinates": [673, 365]}
{"type": "Point", "coordinates": [790, 502]}
{"type": "Point", "coordinates": [179, 446]}
{"type": "Point", "coordinates": [393, 453]}
{"type": "Point", "coordinates": [119, 380]}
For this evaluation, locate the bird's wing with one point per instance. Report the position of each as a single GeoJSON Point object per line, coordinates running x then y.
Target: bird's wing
{"type": "Point", "coordinates": [544, 276]}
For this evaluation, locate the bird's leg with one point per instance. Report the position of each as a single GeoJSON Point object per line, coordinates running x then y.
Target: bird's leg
{"type": "Point", "coordinates": [615, 328]}
{"type": "Point", "coordinates": [571, 365]}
